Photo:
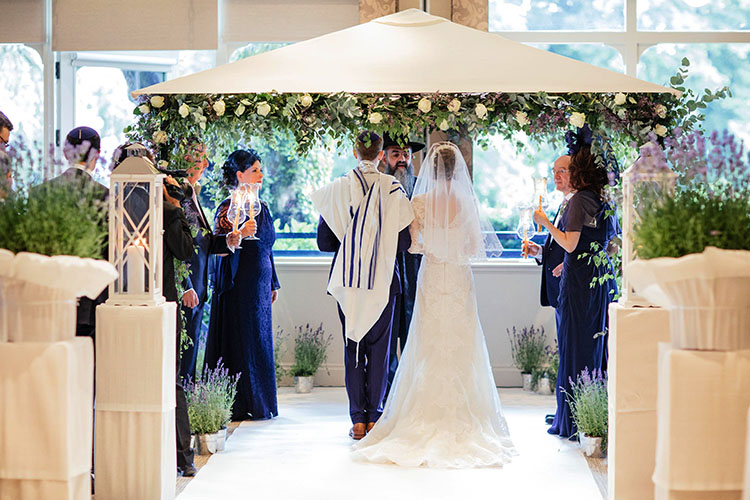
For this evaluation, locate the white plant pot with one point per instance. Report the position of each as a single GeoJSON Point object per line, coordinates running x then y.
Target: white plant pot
{"type": "Point", "coordinates": [304, 384]}
{"type": "Point", "coordinates": [544, 386]}
{"type": "Point", "coordinates": [526, 381]}
{"type": "Point", "coordinates": [707, 294]}
{"type": "Point", "coordinates": [208, 444]}
{"type": "Point", "coordinates": [591, 446]}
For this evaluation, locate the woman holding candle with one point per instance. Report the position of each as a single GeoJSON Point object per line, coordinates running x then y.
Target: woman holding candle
{"type": "Point", "coordinates": [240, 331]}
{"type": "Point", "coordinates": [582, 309]}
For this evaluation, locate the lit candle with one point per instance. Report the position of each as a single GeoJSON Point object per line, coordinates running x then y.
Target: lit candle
{"type": "Point", "coordinates": [136, 268]}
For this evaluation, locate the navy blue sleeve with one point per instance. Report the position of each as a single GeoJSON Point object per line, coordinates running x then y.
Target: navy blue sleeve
{"type": "Point", "coordinates": [327, 240]}
{"type": "Point", "coordinates": [404, 240]}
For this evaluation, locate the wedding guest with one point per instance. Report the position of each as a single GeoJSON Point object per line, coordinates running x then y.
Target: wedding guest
{"type": "Point", "coordinates": [582, 309]}
{"type": "Point", "coordinates": [397, 161]}
{"type": "Point", "coordinates": [550, 256]}
{"type": "Point", "coordinates": [206, 243]}
{"type": "Point", "coordinates": [245, 287]}
{"type": "Point", "coordinates": [81, 150]}
{"type": "Point", "coordinates": [6, 174]}
{"type": "Point", "coordinates": [351, 225]}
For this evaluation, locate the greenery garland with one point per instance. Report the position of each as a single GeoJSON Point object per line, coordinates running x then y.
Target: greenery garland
{"type": "Point", "coordinates": [167, 121]}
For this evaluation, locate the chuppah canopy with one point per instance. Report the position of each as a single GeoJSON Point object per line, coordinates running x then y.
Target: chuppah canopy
{"type": "Point", "coordinates": [406, 52]}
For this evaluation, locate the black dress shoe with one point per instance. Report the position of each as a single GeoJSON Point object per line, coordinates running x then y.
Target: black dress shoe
{"type": "Point", "coordinates": [188, 470]}
{"type": "Point", "coordinates": [548, 419]}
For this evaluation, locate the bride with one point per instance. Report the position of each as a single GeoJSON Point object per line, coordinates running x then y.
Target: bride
{"type": "Point", "coordinates": [443, 409]}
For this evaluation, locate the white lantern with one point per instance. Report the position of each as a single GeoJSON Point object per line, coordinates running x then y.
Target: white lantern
{"type": "Point", "coordinates": [135, 233]}
{"type": "Point", "coordinates": [647, 173]}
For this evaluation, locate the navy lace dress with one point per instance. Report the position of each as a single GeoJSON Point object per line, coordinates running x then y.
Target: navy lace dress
{"type": "Point", "coordinates": [582, 309]}
{"type": "Point", "coordinates": [240, 331]}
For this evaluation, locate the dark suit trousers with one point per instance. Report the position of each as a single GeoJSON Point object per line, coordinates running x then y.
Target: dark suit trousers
{"type": "Point", "coordinates": [193, 321]}
{"type": "Point", "coordinates": [182, 423]}
{"type": "Point", "coordinates": [366, 371]}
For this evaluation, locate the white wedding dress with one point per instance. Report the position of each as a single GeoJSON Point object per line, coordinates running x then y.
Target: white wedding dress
{"type": "Point", "coordinates": [443, 409]}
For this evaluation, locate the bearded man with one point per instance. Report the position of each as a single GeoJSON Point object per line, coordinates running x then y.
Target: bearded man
{"type": "Point", "coordinates": [397, 162]}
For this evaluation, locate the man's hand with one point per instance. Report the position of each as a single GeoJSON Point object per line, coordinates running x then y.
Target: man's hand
{"type": "Point", "coordinates": [274, 296]}
{"type": "Point", "coordinates": [530, 248]}
{"type": "Point", "coordinates": [556, 272]}
{"type": "Point", "coordinates": [190, 298]}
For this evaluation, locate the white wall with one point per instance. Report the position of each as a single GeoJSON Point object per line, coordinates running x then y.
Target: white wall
{"type": "Point", "coordinates": [507, 295]}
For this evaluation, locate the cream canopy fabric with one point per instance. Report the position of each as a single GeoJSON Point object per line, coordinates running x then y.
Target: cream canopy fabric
{"type": "Point", "coordinates": [406, 52]}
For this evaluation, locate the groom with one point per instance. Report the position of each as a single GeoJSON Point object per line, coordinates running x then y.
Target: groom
{"type": "Point", "coordinates": [364, 219]}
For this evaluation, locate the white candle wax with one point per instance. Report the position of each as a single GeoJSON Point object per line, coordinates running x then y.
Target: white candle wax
{"type": "Point", "coordinates": [136, 269]}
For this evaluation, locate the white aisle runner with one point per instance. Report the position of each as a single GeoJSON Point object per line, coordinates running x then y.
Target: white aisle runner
{"type": "Point", "coordinates": [305, 454]}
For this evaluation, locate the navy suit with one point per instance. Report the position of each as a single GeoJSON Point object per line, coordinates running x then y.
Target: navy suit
{"type": "Point", "coordinates": [206, 243]}
{"type": "Point", "coordinates": [366, 362]}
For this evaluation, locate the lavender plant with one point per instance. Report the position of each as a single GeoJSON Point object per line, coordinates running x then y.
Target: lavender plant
{"type": "Point", "coordinates": [527, 348]}
{"type": "Point", "coordinates": [588, 403]}
{"type": "Point", "coordinates": [710, 205]}
{"type": "Point", "coordinates": [310, 347]}
{"type": "Point", "coordinates": [210, 399]}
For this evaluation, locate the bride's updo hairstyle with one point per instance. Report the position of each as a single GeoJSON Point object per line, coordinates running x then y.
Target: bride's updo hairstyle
{"type": "Point", "coordinates": [446, 155]}
{"type": "Point", "coordinates": [238, 161]}
{"type": "Point", "coordinates": [585, 173]}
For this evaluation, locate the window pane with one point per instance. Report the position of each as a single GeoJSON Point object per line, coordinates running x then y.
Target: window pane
{"type": "Point", "coordinates": [597, 54]}
{"type": "Point", "coordinates": [255, 48]}
{"type": "Point", "coordinates": [103, 103]}
{"type": "Point", "coordinates": [22, 100]}
{"type": "Point", "coordinates": [503, 181]}
{"type": "Point", "coordinates": [711, 66]}
{"type": "Point", "coordinates": [694, 15]}
{"type": "Point", "coordinates": [522, 15]}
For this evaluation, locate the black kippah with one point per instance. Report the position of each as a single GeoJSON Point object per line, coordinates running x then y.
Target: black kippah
{"type": "Point", "coordinates": [80, 134]}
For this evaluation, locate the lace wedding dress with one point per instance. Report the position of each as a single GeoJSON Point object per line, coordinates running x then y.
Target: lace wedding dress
{"type": "Point", "coordinates": [443, 409]}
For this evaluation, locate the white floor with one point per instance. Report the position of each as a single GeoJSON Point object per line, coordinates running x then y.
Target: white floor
{"type": "Point", "coordinates": [305, 454]}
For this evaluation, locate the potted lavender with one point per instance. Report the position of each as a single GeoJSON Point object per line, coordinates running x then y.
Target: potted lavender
{"type": "Point", "coordinates": [210, 399]}
{"type": "Point", "coordinates": [588, 405]}
{"type": "Point", "coordinates": [693, 246]}
{"type": "Point", "coordinates": [310, 346]}
{"type": "Point", "coordinates": [527, 349]}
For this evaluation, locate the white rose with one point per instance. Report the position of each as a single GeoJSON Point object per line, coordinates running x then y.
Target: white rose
{"type": "Point", "coordinates": [577, 119]}
{"type": "Point", "coordinates": [425, 105]}
{"type": "Point", "coordinates": [620, 98]}
{"type": "Point", "coordinates": [375, 118]}
{"type": "Point", "coordinates": [240, 109]}
{"type": "Point", "coordinates": [444, 125]}
{"type": "Point", "coordinates": [522, 118]}
{"type": "Point", "coordinates": [263, 108]}
{"type": "Point", "coordinates": [306, 100]}
{"type": "Point", "coordinates": [661, 111]}
{"type": "Point", "coordinates": [660, 130]}
{"type": "Point", "coordinates": [157, 101]}
{"type": "Point", "coordinates": [480, 110]}
{"type": "Point", "coordinates": [144, 108]}
{"type": "Point", "coordinates": [454, 106]}
{"type": "Point", "coordinates": [160, 137]}
{"type": "Point", "coordinates": [219, 107]}
{"type": "Point", "coordinates": [184, 110]}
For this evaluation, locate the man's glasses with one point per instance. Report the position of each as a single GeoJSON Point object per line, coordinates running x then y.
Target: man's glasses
{"type": "Point", "coordinates": [559, 171]}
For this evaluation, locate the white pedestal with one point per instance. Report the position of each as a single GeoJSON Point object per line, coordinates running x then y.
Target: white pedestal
{"type": "Point", "coordinates": [702, 420]}
{"type": "Point", "coordinates": [746, 487]}
{"type": "Point", "coordinates": [46, 398]}
{"type": "Point", "coordinates": [135, 426]}
{"type": "Point", "coordinates": [634, 334]}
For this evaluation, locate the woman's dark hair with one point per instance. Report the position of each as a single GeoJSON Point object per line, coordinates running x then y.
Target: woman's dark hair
{"type": "Point", "coordinates": [448, 156]}
{"type": "Point", "coordinates": [586, 174]}
{"type": "Point", "coordinates": [238, 161]}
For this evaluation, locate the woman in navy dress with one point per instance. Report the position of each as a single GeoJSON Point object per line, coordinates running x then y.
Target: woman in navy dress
{"type": "Point", "coordinates": [240, 331]}
{"type": "Point", "coordinates": [587, 219]}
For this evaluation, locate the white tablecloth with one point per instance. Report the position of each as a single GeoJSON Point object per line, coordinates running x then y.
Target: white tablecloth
{"type": "Point", "coordinates": [135, 455]}
{"type": "Point", "coordinates": [135, 421]}
{"type": "Point", "coordinates": [46, 410]}
{"type": "Point", "coordinates": [634, 334]}
{"type": "Point", "coordinates": [135, 357]}
{"type": "Point", "coordinates": [702, 419]}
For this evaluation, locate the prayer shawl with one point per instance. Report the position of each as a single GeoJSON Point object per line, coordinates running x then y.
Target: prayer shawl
{"type": "Point", "coordinates": [366, 219]}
